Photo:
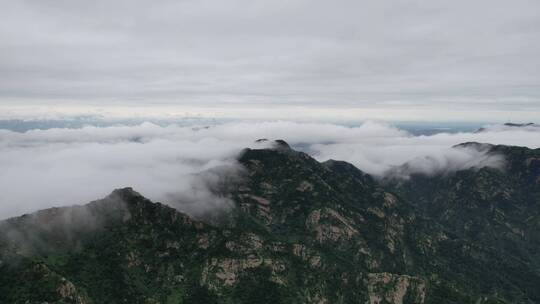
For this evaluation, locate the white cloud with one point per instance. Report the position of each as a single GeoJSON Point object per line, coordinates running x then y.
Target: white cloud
{"type": "Point", "coordinates": [42, 168]}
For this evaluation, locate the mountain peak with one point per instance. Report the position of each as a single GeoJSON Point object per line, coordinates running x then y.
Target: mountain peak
{"type": "Point", "coordinates": [276, 144]}
{"type": "Point", "coordinates": [281, 144]}
{"type": "Point", "coordinates": [278, 151]}
{"type": "Point", "coordinates": [474, 145]}
{"type": "Point", "coordinates": [511, 124]}
{"type": "Point", "coordinates": [126, 194]}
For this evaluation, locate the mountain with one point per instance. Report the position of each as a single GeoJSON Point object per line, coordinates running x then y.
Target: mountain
{"type": "Point", "coordinates": [511, 125]}
{"type": "Point", "coordinates": [300, 231]}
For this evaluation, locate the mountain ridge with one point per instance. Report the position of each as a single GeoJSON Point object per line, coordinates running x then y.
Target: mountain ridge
{"type": "Point", "coordinates": [301, 230]}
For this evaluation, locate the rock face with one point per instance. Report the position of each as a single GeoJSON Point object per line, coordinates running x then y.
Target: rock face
{"type": "Point", "coordinates": [300, 232]}
{"type": "Point", "coordinates": [398, 289]}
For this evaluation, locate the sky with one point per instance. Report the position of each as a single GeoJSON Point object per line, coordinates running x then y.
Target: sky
{"type": "Point", "coordinates": [316, 60]}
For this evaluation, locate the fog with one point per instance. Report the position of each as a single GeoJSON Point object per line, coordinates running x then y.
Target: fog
{"type": "Point", "coordinates": [187, 167]}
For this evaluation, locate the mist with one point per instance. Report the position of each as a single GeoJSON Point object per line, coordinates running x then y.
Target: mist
{"type": "Point", "coordinates": [188, 167]}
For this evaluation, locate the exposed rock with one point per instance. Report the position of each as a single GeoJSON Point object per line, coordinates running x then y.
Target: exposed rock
{"type": "Point", "coordinates": [68, 292]}
{"type": "Point", "coordinates": [387, 288]}
{"type": "Point", "coordinates": [328, 224]}
{"type": "Point", "coordinates": [305, 186]}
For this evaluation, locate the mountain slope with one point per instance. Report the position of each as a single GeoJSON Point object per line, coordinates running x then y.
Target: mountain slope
{"type": "Point", "coordinates": [496, 210]}
{"type": "Point", "coordinates": [300, 232]}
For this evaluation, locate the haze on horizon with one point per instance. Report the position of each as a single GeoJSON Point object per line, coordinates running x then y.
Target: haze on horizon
{"type": "Point", "coordinates": [399, 60]}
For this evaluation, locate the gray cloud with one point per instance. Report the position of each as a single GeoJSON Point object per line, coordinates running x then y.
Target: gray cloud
{"type": "Point", "coordinates": [391, 55]}
{"type": "Point", "coordinates": [190, 167]}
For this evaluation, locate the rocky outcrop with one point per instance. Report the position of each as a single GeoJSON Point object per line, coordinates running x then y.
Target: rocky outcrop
{"type": "Point", "coordinates": [387, 288]}
{"type": "Point", "coordinates": [329, 225]}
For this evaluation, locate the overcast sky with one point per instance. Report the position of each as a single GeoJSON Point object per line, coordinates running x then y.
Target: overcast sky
{"type": "Point", "coordinates": [479, 59]}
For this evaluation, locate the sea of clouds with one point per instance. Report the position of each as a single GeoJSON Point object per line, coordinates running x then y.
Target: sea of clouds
{"type": "Point", "coordinates": [185, 165]}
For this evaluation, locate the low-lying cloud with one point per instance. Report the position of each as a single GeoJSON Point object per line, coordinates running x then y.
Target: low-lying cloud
{"type": "Point", "coordinates": [187, 167]}
{"type": "Point", "coordinates": [447, 161]}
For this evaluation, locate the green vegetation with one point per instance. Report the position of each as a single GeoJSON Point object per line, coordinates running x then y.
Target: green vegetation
{"type": "Point", "coordinates": [301, 232]}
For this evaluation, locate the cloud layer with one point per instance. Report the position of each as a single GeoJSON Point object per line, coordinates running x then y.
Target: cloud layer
{"type": "Point", "coordinates": [186, 166]}
{"type": "Point", "coordinates": [388, 55]}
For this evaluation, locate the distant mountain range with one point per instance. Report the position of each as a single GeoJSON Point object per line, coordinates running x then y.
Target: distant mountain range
{"type": "Point", "coordinates": [300, 231]}
{"type": "Point", "coordinates": [510, 125]}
